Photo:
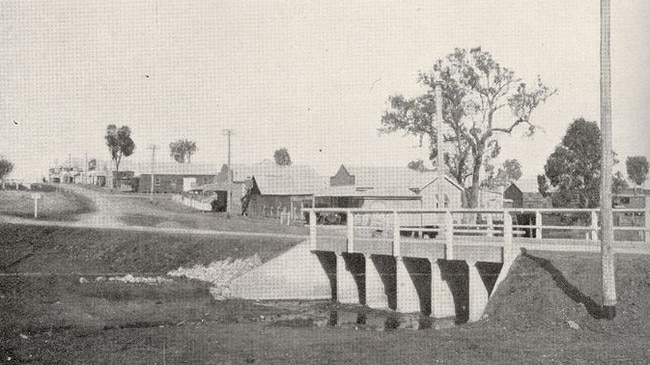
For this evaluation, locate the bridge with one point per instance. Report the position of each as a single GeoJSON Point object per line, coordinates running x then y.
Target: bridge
{"type": "Point", "coordinates": [448, 262]}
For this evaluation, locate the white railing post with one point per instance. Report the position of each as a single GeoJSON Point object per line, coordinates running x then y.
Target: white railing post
{"type": "Point", "coordinates": [508, 249]}
{"type": "Point", "coordinates": [350, 223]}
{"type": "Point", "coordinates": [594, 225]}
{"type": "Point", "coordinates": [490, 223]}
{"type": "Point", "coordinates": [312, 228]}
{"type": "Point", "coordinates": [449, 235]}
{"type": "Point", "coordinates": [538, 225]}
{"type": "Point", "coordinates": [397, 251]}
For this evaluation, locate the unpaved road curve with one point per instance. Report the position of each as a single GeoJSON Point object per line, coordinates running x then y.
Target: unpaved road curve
{"type": "Point", "coordinates": [107, 210]}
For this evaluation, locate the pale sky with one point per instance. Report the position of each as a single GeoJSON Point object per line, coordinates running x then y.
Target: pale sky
{"type": "Point", "coordinates": [311, 76]}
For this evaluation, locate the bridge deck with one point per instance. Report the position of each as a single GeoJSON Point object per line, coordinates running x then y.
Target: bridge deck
{"type": "Point", "coordinates": [469, 248]}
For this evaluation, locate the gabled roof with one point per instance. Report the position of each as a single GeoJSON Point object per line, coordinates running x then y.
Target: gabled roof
{"type": "Point", "coordinates": [287, 184]}
{"type": "Point", "coordinates": [389, 176]}
{"type": "Point", "coordinates": [273, 179]}
{"type": "Point", "coordinates": [242, 172]}
{"type": "Point", "coordinates": [450, 180]}
{"type": "Point", "coordinates": [381, 181]}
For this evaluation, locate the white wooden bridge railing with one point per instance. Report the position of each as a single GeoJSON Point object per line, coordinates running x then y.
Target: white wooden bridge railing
{"type": "Point", "coordinates": [447, 224]}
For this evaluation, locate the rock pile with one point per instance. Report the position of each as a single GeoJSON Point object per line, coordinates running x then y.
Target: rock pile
{"type": "Point", "coordinates": [219, 273]}
{"type": "Point", "coordinates": [140, 280]}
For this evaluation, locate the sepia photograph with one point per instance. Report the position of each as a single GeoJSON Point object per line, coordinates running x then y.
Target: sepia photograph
{"type": "Point", "coordinates": [324, 182]}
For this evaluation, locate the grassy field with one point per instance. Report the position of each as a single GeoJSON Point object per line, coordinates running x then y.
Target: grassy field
{"type": "Point", "coordinates": [168, 213]}
{"type": "Point", "coordinates": [62, 205]}
{"type": "Point", "coordinates": [55, 319]}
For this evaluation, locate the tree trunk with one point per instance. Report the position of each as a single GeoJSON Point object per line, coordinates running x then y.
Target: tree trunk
{"type": "Point", "coordinates": [474, 189]}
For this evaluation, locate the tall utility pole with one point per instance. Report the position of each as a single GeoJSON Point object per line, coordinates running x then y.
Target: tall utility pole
{"type": "Point", "coordinates": [439, 142]}
{"type": "Point", "coordinates": [152, 147]}
{"type": "Point", "coordinates": [228, 133]}
{"type": "Point", "coordinates": [439, 136]}
{"type": "Point", "coordinates": [606, 217]}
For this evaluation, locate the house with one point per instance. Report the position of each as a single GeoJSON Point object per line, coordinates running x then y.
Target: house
{"type": "Point", "coordinates": [283, 189]}
{"type": "Point", "coordinates": [263, 190]}
{"type": "Point", "coordinates": [228, 189]}
{"type": "Point", "coordinates": [175, 177]}
{"type": "Point", "coordinates": [391, 188]}
{"type": "Point", "coordinates": [491, 199]}
{"type": "Point", "coordinates": [64, 174]}
{"type": "Point", "coordinates": [514, 197]}
{"type": "Point", "coordinates": [630, 198]}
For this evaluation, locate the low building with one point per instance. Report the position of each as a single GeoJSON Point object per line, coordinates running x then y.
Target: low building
{"type": "Point", "coordinates": [176, 178]}
{"type": "Point", "coordinates": [262, 190]}
{"type": "Point", "coordinates": [631, 198]}
{"type": "Point", "coordinates": [64, 174]}
{"type": "Point", "coordinates": [228, 189]}
{"type": "Point", "coordinates": [514, 197]}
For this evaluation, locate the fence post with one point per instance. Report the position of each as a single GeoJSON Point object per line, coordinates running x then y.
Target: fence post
{"type": "Point", "coordinates": [538, 225]}
{"type": "Point", "coordinates": [312, 228]}
{"type": "Point", "coordinates": [594, 225]}
{"type": "Point", "coordinates": [490, 228]}
{"type": "Point", "coordinates": [508, 249]}
{"type": "Point", "coordinates": [449, 234]}
{"type": "Point", "coordinates": [350, 223]}
{"type": "Point", "coordinates": [397, 251]}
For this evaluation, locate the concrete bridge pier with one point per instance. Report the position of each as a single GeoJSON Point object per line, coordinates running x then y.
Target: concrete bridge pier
{"type": "Point", "coordinates": [380, 281]}
{"type": "Point", "coordinates": [407, 293]}
{"type": "Point", "coordinates": [350, 278]}
{"type": "Point", "coordinates": [478, 292]}
{"type": "Point", "coordinates": [442, 299]}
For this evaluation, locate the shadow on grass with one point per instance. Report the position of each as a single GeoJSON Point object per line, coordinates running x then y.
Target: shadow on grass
{"type": "Point", "coordinates": [593, 308]}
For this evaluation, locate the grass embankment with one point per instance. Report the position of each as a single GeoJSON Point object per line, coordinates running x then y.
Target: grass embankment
{"type": "Point", "coordinates": [83, 250]}
{"type": "Point", "coordinates": [62, 206]}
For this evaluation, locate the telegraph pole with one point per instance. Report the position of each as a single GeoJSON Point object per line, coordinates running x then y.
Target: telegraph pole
{"type": "Point", "coordinates": [606, 217]}
{"type": "Point", "coordinates": [439, 136]}
{"type": "Point", "coordinates": [152, 147]}
{"type": "Point", "coordinates": [228, 133]}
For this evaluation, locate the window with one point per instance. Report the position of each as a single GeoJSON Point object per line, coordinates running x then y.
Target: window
{"type": "Point", "coordinates": [446, 201]}
{"type": "Point", "coordinates": [157, 181]}
{"type": "Point", "coordinates": [205, 180]}
{"type": "Point", "coordinates": [625, 200]}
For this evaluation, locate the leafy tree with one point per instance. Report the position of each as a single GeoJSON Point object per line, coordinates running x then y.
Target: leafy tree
{"type": "Point", "coordinates": [6, 167]}
{"type": "Point", "coordinates": [618, 183]}
{"type": "Point", "coordinates": [572, 172]}
{"type": "Point", "coordinates": [119, 143]}
{"type": "Point", "coordinates": [637, 169]}
{"type": "Point", "coordinates": [476, 92]}
{"type": "Point", "coordinates": [509, 172]}
{"type": "Point", "coordinates": [417, 165]}
{"type": "Point", "coordinates": [282, 157]}
{"type": "Point", "coordinates": [182, 150]}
